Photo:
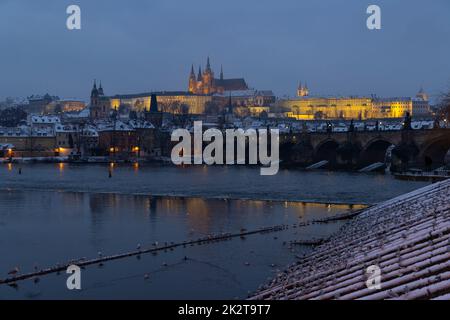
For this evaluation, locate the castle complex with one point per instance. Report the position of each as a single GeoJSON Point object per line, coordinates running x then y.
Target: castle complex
{"type": "Point", "coordinates": [207, 93]}
{"type": "Point", "coordinates": [306, 107]}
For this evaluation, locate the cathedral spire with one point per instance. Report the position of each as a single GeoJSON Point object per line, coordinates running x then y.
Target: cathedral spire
{"type": "Point", "coordinates": [199, 77]}
{"type": "Point", "coordinates": [192, 71]}
{"type": "Point", "coordinates": [302, 90]}
{"type": "Point", "coordinates": [208, 65]}
{"type": "Point", "coordinates": [100, 89]}
{"type": "Point", "coordinates": [94, 91]}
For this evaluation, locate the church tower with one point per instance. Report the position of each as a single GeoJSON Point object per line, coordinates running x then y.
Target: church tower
{"type": "Point", "coordinates": [199, 82]}
{"type": "Point", "coordinates": [302, 91]}
{"type": "Point", "coordinates": [192, 81]}
{"type": "Point", "coordinates": [100, 90]}
{"type": "Point", "coordinates": [154, 115]}
{"type": "Point", "coordinates": [94, 95]}
{"type": "Point", "coordinates": [100, 106]}
{"type": "Point", "coordinates": [208, 79]}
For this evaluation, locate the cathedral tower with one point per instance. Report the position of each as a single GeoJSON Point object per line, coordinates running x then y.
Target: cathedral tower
{"type": "Point", "coordinates": [302, 91]}
{"type": "Point", "coordinates": [192, 81]}
{"type": "Point", "coordinates": [207, 79]}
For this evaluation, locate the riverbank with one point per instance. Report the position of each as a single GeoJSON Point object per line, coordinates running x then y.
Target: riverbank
{"type": "Point", "coordinates": [406, 238]}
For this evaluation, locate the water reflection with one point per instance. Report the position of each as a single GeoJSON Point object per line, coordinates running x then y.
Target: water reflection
{"type": "Point", "coordinates": [58, 212]}
{"type": "Point", "coordinates": [207, 182]}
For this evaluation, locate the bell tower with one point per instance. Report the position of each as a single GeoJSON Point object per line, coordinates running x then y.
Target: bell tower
{"type": "Point", "coordinates": [192, 81]}
{"type": "Point", "coordinates": [302, 91]}
{"type": "Point", "coordinates": [208, 78]}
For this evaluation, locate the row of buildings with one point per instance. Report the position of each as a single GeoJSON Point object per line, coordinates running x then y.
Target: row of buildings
{"type": "Point", "coordinates": [208, 94]}
{"type": "Point", "coordinates": [55, 136]}
{"type": "Point", "coordinates": [138, 125]}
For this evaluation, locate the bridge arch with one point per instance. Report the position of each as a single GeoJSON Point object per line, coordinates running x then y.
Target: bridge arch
{"type": "Point", "coordinates": [375, 151]}
{"type": "Point", "coordinates": [286, 150]}
{"type": "Point", "coordinates": [327, 150]}
{"type": "Point", "coordinates": [432, 153]}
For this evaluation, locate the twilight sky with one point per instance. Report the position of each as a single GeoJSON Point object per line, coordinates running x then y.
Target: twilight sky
{"type": "Point", "coordinates": [143, 45]}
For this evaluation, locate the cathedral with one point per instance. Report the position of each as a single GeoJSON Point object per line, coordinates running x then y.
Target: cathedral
{"type": "Point", "coordinates": [206, 83]}
{"type": "Point", "coordinates": [302, 90]}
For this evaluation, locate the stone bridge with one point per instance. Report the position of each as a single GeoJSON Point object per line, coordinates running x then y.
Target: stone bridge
{"type": "Point", "coordinates": [401, 148]}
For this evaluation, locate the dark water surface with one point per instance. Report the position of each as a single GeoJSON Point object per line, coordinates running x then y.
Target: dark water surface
{"type": "Point", "coordinates": [54, 213]}
{"type": "Point", "coordinates": [206, 182]}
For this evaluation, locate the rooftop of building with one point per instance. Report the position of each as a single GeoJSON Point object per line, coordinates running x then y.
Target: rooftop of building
{"type": "Point", "coordinates": [245, 93]}
{"type": "Point", "coordinates": [157, 93]}
{"type": "Point", "coordinates": [44, 119]}
{"type": "Point", "coordinates": [405, 238]}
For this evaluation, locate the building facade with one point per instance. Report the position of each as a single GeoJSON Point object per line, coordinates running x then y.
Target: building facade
{"type": "Point", "coordinates": [306, 107]}
{"type": "Point", "coordinates": [175, 102]}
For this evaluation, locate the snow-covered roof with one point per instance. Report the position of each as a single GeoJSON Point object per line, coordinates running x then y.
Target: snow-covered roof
{"type": "Point", "coordinates": [65, 128]}
{"type": "Point", "coordinates": [406, 238]}
{"type": "Point", "coordinates": [117, 126]}
{"type": "Point", "coordinates": [44, 119]}
{"type": "Point", "coordinates": [89, 131]}
{"type": "Point", "coordinates": [141, 124]}
{"type": "Point", "coordinates": [15, 132]}
{"type": "Point", "coordinates": [85, 113]}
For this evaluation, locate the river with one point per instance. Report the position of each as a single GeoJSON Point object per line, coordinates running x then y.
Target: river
{"type": "Point", "coordinates": [52, 213]}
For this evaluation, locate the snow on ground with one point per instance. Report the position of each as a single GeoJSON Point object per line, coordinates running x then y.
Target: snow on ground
{"type": "Point", "coordinates": [407, 237]}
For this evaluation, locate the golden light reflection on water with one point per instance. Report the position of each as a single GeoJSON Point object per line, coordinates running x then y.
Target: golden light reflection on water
{"type": "Point", "coordinates": [205, 215]}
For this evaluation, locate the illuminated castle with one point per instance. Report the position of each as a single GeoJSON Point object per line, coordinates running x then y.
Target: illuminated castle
{"type": "Point", "coordinates": [206, 83]}
{"type": "Point", "coordinates": [306, 107]}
